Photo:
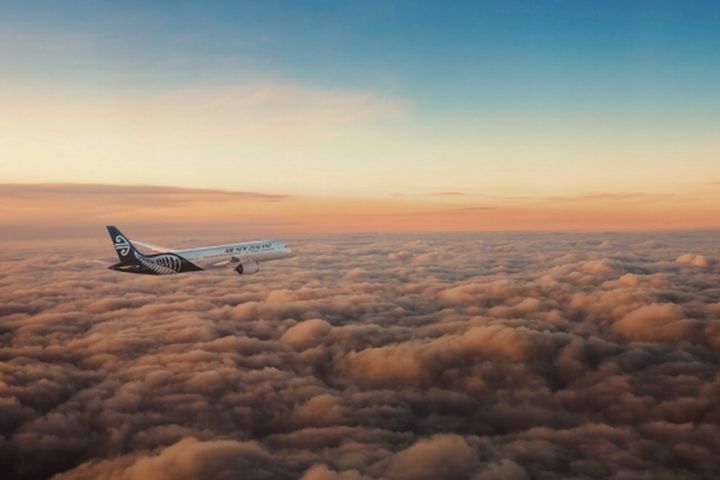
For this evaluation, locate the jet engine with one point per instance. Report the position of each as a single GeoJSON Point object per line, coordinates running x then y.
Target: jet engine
{"type": "Point", "coordinates": [247, 268]}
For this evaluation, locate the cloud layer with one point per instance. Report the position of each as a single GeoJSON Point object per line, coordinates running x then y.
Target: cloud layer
{"type": "Point", "coordinates": [451, 356]}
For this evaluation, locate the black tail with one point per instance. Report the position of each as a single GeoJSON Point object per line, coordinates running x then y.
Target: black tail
{"type": "Point", "coordinates": [123, 247]}
{"type": "Point", "coordinates": [134, 261]}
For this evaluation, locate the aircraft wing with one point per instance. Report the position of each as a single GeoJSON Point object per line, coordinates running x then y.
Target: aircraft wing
{"type": "Point", "coordinates": [222, 263]}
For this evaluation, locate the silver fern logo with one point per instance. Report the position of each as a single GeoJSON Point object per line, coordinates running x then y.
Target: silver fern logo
{"type": "Point", "coordinates": [164, 264]}
{"type": "Point", "coordinates": [122, 245]}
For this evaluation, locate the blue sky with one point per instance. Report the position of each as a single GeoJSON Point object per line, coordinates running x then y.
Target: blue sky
{"type": "Point", "coordinates": [431, 51]}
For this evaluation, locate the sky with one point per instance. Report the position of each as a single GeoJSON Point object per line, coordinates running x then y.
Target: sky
{"type": "Point", "coordinates": [470, 105]}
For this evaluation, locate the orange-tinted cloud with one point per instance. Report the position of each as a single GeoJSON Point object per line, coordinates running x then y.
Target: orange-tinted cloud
{"type": "Point", "coordinates": [482, 356]}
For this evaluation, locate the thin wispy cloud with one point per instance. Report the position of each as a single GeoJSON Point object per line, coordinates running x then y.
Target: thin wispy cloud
{"type": "Point", "coordinates": [32, 211]}
{"type": "Point", "coordinates": [451, 194]}
{"type": "Point", "coordinates": [125, 192]}
{"type": "Point", "coordinates": [625, 197]}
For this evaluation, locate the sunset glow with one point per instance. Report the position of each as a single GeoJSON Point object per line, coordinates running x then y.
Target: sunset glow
{"type": "Point", "coordinates": [265, 99]}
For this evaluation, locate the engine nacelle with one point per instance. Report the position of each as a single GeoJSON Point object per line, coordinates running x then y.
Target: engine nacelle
{"type": "Point", "coordinates": [246, 268]}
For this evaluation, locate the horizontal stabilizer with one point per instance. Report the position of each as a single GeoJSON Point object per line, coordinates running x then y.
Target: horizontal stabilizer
{"type": "Point", "coordinates": [151, 246]}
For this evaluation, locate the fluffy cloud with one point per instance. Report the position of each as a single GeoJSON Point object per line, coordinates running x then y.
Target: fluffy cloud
{"type": "Point", "coordinates": [368, 357]}
{"type": "Point", "coordinates": [187, 459]}
{"type": "Point", "coordinates": [306, 333]}
{"type": "Point", "coordinates": [657, 322]}
{"type": "Point", "coordinates": [441, 456]}
{"type": "Point", "coordinates": [695, 260]}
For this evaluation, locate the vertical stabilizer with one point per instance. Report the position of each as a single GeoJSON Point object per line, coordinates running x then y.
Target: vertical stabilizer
{"type": "Point", "coordinates": [122, 245]}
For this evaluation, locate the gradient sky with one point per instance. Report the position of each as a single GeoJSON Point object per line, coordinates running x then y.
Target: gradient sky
{"type": "Point", "coordinates": [366, 99]}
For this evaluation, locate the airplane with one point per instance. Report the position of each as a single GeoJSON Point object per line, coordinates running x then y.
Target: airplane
{"type": "Point", "coordinates": [244, 257]}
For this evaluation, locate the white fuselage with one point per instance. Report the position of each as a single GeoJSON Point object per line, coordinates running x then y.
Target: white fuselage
{"type": "Point", "coordinates": [220, 256]}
